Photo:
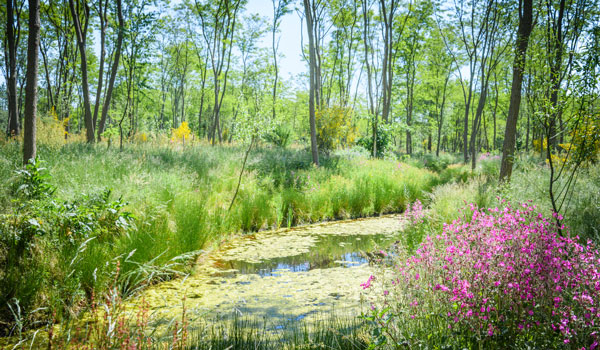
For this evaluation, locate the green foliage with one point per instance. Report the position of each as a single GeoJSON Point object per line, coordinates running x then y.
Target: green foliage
{"type": "Point", "coordinates": [334, 128]}
{"type": "Point", "coordinates": [54, 254]}
{"type": "Point", "coordinates": [383, 141]}
{"type": "Point", "coordinates": [437, 164]}
{"type": "Point", "coordinates": [279, 136]}
{"type": "Point", "coordinates": [33, 181]}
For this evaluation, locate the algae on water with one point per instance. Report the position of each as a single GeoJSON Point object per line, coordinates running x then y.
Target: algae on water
{"type": "Point", "coordinates": [281, 275]}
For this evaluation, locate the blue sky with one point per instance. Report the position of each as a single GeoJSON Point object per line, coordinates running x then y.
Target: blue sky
{"type": "Point", "coordinates": [289, 46]}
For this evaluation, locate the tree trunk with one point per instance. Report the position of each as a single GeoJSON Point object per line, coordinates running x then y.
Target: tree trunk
{"type": "Point", "coordinates": [50, 101]}
{"type": "Point", "coordinates": [113, 72]}
{"type": "Point", "coordinates": [313, 86]}
{"type": "Point", "coordinates": [12, 39]}
{"type": "Point", "coordinates": [33, 43]}
{"type": "Point", "coordinates": [201, 103]}
{"type": "Point", "coordinates": [371, 102]}
{"type": "Point", "coordinates": [523, 32]}
{"type": "Point", "coordinates": [477, 121]}
{"type": "Point", "coordinates": [103, 23]}
{"type": "Point", "coordinates": [441, 117]}
{"type": "Point", "coordinates": [89, 123]}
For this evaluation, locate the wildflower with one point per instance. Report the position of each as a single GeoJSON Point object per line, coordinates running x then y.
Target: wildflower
{"type": "Point", "coordinates": [368, 283]}
{"type": "Point", "coordinates": [547, 281]}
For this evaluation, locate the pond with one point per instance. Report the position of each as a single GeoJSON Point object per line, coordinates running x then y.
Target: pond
{"type": "Point", "coordinates": [280, 276]}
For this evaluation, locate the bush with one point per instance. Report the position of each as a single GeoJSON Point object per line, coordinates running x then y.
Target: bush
{"type": "Point", "coordinates": [496, 278]}
{"type": "Point", "coordinates": [334, 128]}
{"type": "Point", "coordinates": [383, 141]}
{"type": "Point", "coordinates": [437, 164]}
{"type": "Point", "coordinates": [49, 251]}
{"type": "Point", "coordinates": [279, 137]}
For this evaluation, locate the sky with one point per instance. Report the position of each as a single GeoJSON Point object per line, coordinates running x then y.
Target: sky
{"type": "Point", "coordinates": [289, 46]}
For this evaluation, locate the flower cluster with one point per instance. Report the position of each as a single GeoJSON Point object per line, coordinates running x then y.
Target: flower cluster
{"type": "Point", "coordinates": [503, 273]}
{"type": "Point", "coordinates": [414, 213]}
{"type": "Point", "coordinates": [488, 156]}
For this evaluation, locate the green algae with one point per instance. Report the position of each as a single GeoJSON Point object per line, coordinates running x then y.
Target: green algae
{"type": "Point", "coordinates": [311, 270]}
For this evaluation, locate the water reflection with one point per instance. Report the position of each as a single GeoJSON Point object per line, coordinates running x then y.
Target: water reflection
{"type": "Point", "coordinates": [328, 251]}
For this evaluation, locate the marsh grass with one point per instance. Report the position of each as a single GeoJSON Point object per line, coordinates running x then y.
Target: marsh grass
{"type": "Point", "coordinates": [581, 206]}
{"type": "Point", "coordinates": [178, 199]}
{"type": "Point", "coordinates": [327, 332]}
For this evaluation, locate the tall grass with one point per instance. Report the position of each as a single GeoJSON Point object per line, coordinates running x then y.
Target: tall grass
{"type": "Point", "coordinates": [178, 199]}
{"type": "Point", "coordinates": [581, 206]}
{"type": "Point", "coordinates": [329, 332]}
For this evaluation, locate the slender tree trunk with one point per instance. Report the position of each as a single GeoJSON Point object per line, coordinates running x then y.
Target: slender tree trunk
{"type": "Point", "coordinates": [50, 104]}
{"type": "Point", "coordinates": [441, 118]}
{"type": "Point", "coordinates": [477, 121]}
{"type": "Point", "coordinates": [113, 72]}
{"type": "Point", "coordinates": [495, 111]}
{"type": "Point", "coordinates": [12, 39]}
{"type": "Point", "coordinates": [277, 11]}
{"type": "Point", "coordinates": [313, 86]}
{"type": "Point", "coordinates": [89, 123]}
{"type": "Point", "coordinates": [527, 135]}
{"type": "Point", "coordinates": [410, 87]}
{"type": "Point", "coordinates": [33, 43]}
{"type": "Point", "coordinates": [466, 121]}
{"type": "Point", "coordinates": [523, 32]}
{"type": "Point", "coordinates": [201, 103]}
{"type": "Point", "coordinates": [237, 188]}
{"type": "Point", "coordinates": [371, 102]}
{"type": "Point", "coordinates": [103, 22]}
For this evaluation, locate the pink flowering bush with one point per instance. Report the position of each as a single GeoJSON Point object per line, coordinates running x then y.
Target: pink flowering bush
{"type": "Point", "coordinates": [414, 213]}
{"type": "Point", "coordinates": [496, 277]}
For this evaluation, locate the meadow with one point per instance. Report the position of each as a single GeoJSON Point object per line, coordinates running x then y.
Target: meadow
{"type": "Point", "coordinates": [86, 221]}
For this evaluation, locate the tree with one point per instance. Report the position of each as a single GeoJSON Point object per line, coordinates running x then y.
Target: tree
{"type": "Point", "coordinates": [523, 32]}
{"type": "Point", "coordinates": [309, 13]}
{"type": "Point", "coordinates": [11, 41]}
{"type": "Point", "coordinates": [372, 107]}
{"type": "Point", "coordinates": [81, 33]}
{"type": "Point", "coordinates": [33, 44]}
{"type": "Point", "coordinates": [493, 30]}
{"type": "Point", "coordinates": [280, 8]}
{"type": "Point", "coordinates": [387, 11]}
{"type": "Point", "coordinates": [218, 26]}
{"type": "Point", "coordinates": [113, 71]}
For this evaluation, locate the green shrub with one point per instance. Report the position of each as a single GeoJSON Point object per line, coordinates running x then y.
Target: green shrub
{"type": "Point", "coordinates": [50, 250]}
{"type": "Point", "coordinates": [383, 141]}
{"type": "Point", "coordinates": [279, 137]}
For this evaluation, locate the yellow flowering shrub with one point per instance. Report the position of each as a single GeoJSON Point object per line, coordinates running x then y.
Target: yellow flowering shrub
{"type": "Point", "coordinates": [540, 146]}
{"type": "Point", "coordinates": [51, 130]}
{"type": "Point", "coordinates": [335, 128]}
{"type": "Point", "coordinates": [141, 137]}
{"type": "Point", "coordinates": [182, 133]}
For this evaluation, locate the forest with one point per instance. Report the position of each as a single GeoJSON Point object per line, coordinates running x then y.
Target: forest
{"type": "Point", "coordinates": [300, 174]}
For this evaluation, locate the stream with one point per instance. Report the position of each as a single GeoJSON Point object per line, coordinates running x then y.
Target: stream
{"type": "Point", "coordinates": [285, 275]}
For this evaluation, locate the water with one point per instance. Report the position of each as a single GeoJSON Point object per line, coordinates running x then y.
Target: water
{"type": "Point", "coordinates": [281, 276]}
{"type": "Point", "coordinates": [328, 251]}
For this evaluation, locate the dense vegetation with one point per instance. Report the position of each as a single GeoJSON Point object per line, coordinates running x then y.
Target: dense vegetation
{"type": "Point", "coordinates": [141, 134]}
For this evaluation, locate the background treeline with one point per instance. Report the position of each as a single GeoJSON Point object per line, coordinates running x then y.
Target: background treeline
{"type": "Point", "coordinates": [418, 75]}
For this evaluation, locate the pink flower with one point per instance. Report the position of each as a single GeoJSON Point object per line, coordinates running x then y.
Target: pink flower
{"type": "Point", "coordinates": [368, 283]}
